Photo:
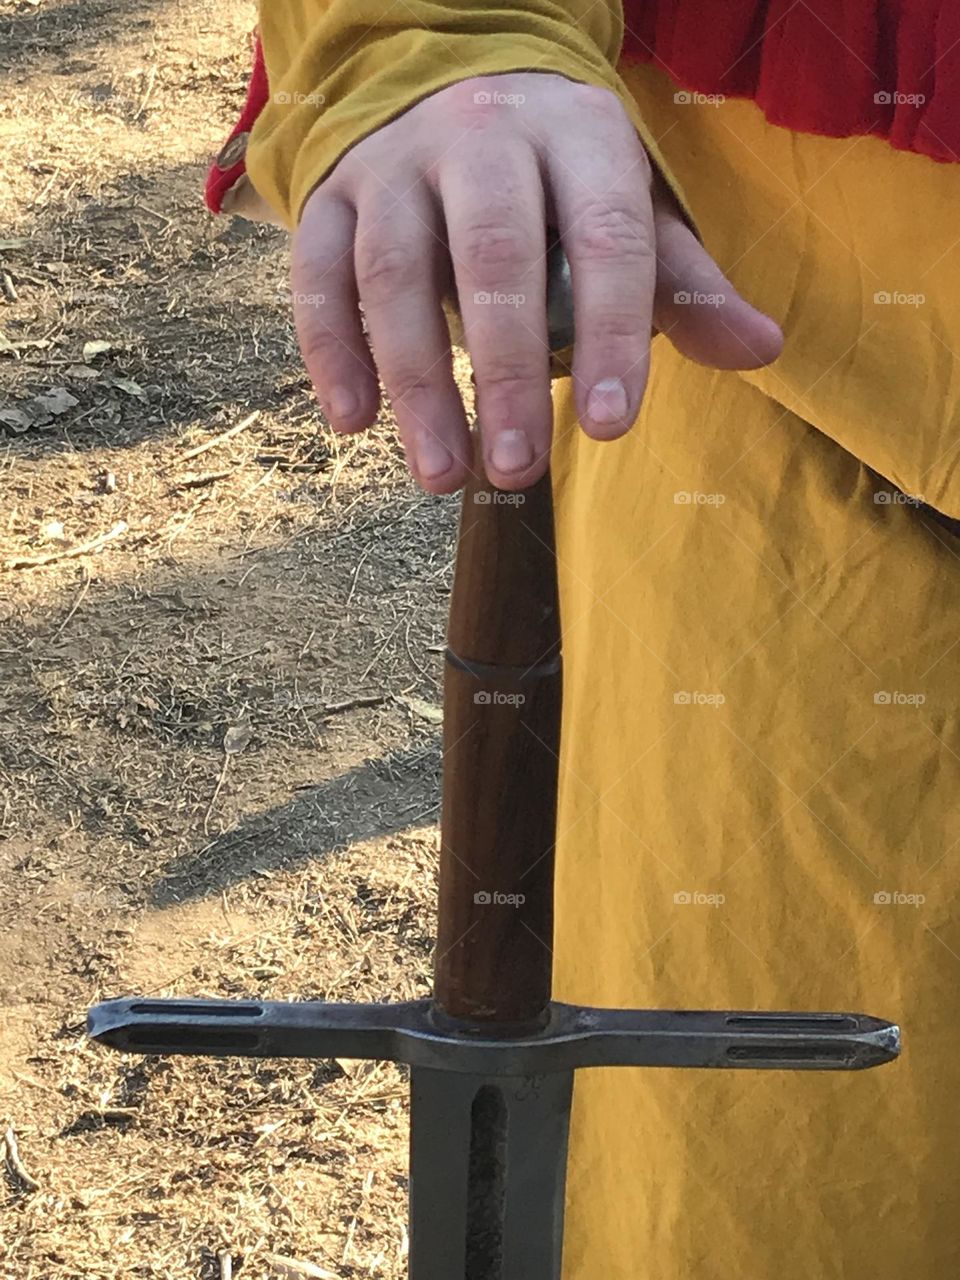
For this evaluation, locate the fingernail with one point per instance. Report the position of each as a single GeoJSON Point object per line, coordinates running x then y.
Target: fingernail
{"type": "Point", "coordinates": [433, 458]}
{"type": "Point", "coordinates": [342, 402]}
{"type": "Point", "coordinates": [607, 402]}
{"type": "Point", "coordinates": [511, 452]}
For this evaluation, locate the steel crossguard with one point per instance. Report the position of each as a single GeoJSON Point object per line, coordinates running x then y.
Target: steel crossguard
{"type": "Point", "coordinates": [573, 1036]}
{"type": "Point", "coordinates": [490, 1114]}
{"type": "Point", "coordinates": [492, 1057]}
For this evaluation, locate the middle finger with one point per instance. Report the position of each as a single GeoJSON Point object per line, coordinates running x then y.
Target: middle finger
{"type": "Point", "coordinates": [494, 210]}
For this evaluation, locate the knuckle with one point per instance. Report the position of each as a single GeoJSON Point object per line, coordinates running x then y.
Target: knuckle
{"type": "Point", "coordinates": [611, 231]}
{"type": "Point", "coordinates": [405, 383]}
{"type": "Point", "coordinates": [319, 345]}
{"type": "Point", "coordinates": [495, 252]}
{"type": "Point", "coordinates": [384, 270]}
{"type": "Point", "coordinates": [615, 327]}
{"type": "Point", "coordinates": [505, 373]}
{"type": "Point", "coordinates": [596, 98]}
{"type": "Point", "coordinates": [475, 101]}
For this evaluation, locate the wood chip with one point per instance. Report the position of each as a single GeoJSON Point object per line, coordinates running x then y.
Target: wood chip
{"type": "Point", "coordinates": [199, 481]}
{"type": "Point", "coordinates": [11, 1158]}
{"type": "Point", "coordinates": [294, 1268]}
{"type": "Point", "coordinates": [82, 549]}
{"type": "Point", "coordinates": [224, 435]}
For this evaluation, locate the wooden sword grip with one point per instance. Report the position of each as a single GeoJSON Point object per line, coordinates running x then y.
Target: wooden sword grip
{"type": "Point", "coordinates": [502, 696]}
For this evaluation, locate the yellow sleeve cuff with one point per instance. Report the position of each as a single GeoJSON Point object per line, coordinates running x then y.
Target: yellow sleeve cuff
{"type": "Point", "coordinates": [335, 79]}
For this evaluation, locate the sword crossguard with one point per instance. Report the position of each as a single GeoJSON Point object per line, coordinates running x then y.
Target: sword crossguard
{"type": "Point", "coordinates": [571, 1038]}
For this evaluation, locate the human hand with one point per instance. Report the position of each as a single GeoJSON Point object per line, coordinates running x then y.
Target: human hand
{"type": "Point", "coordinates": [456, 194]}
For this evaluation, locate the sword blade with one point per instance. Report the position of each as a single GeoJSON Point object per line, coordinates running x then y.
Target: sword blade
{"type": "Point", "coordinates": [488, 1162]}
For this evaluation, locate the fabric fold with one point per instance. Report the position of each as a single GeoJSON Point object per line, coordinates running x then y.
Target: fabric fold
{"type": "Point", "coordinates": [834, 67]}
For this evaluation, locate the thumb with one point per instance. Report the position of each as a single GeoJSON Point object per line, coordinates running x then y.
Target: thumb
{"type": "Point", "coordinates": [695, 305]}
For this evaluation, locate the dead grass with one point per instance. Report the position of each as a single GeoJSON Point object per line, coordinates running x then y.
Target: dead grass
{"type": "Point", "coordinates": [282, 592]}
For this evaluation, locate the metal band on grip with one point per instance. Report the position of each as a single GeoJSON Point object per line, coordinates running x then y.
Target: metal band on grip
{"type": "Point", "coordinates": [494, 672]}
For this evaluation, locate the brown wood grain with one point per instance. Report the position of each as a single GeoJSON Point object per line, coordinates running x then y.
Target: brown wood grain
{"type": "Point", "coordinates": [502, 700]}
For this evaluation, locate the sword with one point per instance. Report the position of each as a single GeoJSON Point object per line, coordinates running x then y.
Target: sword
{"type": "Point", "coordinates": [492, 1055]}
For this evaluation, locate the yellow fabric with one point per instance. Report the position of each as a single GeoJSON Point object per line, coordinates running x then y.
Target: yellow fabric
{"type": "Point", "coordinates": [814, 229]}
{"type": "Point", "coordinates": [786, 590]}
{"type": "Point", "coordinates": [748, 637]}
{"type": "Point", "coordinates": [339, 69]}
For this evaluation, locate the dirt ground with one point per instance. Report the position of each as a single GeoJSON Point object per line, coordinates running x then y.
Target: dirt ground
{"type": "Point", "coordinates": [219, 737]}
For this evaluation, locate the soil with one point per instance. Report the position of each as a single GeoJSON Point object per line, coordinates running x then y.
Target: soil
{"type": "Point", "coordinates": [219, 728]}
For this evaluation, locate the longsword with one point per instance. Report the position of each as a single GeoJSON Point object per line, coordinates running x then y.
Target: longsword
{"type": "Point", "coordinates": [492, 1056]}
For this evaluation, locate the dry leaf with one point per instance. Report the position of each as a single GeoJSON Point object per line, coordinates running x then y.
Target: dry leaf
{"type": "Point", "coordinates": [426, 710]}
{"type": "Point", "coordinates": [356, 1068]}
{"type": "Point", "coordinates": [130, 387]}
{"type": "Point", "coordinates": [14, 419]}
{"type": "Point", "coordinates": [96, 347]}
{"type": "Point", "coordinates": [57, 400]}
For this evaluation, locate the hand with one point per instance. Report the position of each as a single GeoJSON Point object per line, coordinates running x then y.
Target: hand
{"type": "Point", "coordinates": [458, 192]}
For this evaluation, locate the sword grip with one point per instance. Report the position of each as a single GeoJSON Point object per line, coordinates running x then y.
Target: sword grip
{"type": "Point", "coordinates": [502, 699]}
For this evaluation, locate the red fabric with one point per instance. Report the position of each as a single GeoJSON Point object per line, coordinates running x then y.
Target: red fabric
{"type": "Point", "coordinates": [834, 67]}
{"type": "Point", "coordinates": [220, 180]}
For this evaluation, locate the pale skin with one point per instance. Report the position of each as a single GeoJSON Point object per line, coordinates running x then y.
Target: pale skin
{"type": "Point", "coordinates": [458, 192]}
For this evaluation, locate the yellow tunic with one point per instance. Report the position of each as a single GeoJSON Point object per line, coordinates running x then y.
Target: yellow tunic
{"type": "Point", "coordinates": [761, 751]}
